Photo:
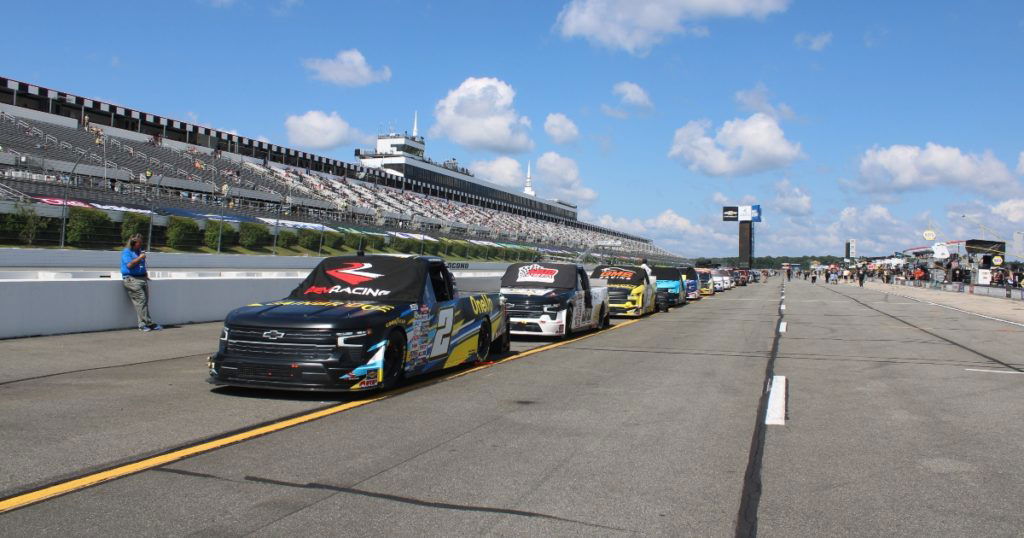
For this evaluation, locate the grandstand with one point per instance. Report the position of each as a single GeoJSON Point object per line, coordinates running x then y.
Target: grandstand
{"type": "Point", "coordinates": [54, 143]}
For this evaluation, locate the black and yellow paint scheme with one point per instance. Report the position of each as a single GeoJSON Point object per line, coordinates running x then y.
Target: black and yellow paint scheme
{"type": "Point", "coordinates": [348, 344]}
{"type": "Point", "coordinates": [631, 290]}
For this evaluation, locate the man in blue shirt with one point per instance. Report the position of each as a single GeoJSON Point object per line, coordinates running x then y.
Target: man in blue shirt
{"type": "Point", "coordinates": [136, 281]}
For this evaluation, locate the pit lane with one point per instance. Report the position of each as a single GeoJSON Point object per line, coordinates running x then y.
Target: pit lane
{"type": "Point", "coordinates": [128, 382]}
{"type": "Point", "coordinates": [642, 430]}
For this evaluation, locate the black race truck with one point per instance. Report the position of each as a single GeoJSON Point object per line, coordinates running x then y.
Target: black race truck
{"type": "Point", "coordinates": [359, 323]}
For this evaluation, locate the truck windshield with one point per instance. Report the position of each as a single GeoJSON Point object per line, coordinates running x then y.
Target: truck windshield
{"type": "Point", "coordinates": [540, 275]}
{"type": "Point", "coordinates": [667, 273]}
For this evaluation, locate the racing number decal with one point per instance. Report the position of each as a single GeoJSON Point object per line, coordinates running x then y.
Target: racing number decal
{"type": "Point", "coordinates": [443, 337]}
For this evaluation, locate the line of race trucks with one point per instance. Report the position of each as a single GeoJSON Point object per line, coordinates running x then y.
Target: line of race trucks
{"type": "Point", "coordinates": [359, 323]}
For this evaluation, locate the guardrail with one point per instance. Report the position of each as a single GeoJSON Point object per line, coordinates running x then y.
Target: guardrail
{"type": "Point", "coordinates": [42, 258]}
{"type": "Point", "coordinates": [37, 303]}
{"type": "Point", "coordinates": [44, 307]}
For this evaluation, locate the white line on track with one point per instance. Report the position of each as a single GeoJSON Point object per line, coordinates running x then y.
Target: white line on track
{"type": "Point", "coordinates": [953, 308]}
{"type": "Point", "coordinates": [992, 371]}
{"type": "Point", "coordinates": [776, 414]}
{"type": "Point", "coordinates": [782, 307]}
{"type": "Point", "coordinates": [782, 326]}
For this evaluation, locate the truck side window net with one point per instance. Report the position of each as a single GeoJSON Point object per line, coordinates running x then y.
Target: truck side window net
{"type": "Point", "coordinates": [442, 291]}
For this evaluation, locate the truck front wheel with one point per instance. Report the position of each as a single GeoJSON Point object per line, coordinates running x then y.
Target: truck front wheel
{"type": "Point", "coordinates": [394, 360]}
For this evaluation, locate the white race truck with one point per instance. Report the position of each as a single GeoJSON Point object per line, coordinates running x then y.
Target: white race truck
{"type": "Point", "coordinates": [553, 299]}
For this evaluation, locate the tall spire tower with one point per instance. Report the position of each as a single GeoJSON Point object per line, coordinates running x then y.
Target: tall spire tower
{"type": "Point", "coordinates": [415, 124]}
{"type": "Point", "coordinates": [528, 189]}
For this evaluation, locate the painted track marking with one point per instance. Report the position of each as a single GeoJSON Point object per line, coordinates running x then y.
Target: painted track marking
{"type": "Point", "coordinates": [776, 415]}
{"type": "Point", "coordinates": [22, 500]}
{"type": "Point", "coordinates": [962, 311]}
{"type": "Point", "coordinates": [782, 326]}
{"type": "Point", "coordinates": [992, 371]}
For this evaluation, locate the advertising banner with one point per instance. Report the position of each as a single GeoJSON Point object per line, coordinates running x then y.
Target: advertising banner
{"type": "Point", "coordinates": [755, 213]}
{"type": "Point", "coordinates": [744, 213]}
{"type": "Point", "coordinates": [730, 213]}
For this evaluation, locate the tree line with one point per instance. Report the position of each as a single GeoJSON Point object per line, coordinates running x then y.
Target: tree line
{"type": "Point", "coordinates": [768, 262]}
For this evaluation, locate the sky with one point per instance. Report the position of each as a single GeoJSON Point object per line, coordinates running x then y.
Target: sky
{"type": "Point", "coordinates": [869, 120]}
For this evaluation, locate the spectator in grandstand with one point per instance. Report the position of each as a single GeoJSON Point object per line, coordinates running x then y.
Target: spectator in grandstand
{"type": "Point", "coordinates": [136, 281]}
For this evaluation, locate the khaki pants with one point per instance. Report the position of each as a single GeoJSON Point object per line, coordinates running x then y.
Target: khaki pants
{"type": "Point", "coordinates": [138, 292]}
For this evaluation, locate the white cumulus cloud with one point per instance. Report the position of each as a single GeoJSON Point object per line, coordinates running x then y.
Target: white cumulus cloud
{"type": "Point", "coordinates": [560, 128]}
{"type": "Point", "coordinates": [622, 224]}
{"type": "Point", "coordinates": [874, 227]}
{"type": "Point", "coordinates": [757, 99]}
{"type": "Point", "coordinates": [671, 228]}
{"type": "Point", "coordinates": [1011, 210]}
{"type": "Point", "coordinates": [613, 112]}
{"type": "Point", "coordinates": [561, 176]}
{"type": "Point", "coordinates": [902, 168]}
{"type": "Point", "coordinates": [739, 147]}
{"type": "Point", "coordinates": [791, 199]}
{"type": "Point", "coordinates": [632, 94]}
{"type": "Point", "coordinates": [815, 42]}
{"type": "Point", "coordinates": [1020, 163]}
{"type": "Point", "coordinates": [318, 130]}
{"type": "Point", "coordinates": [504, 171]}
{"type": "Point", "coordinates": [637, 26]}
{"type": "Point", "coordinates": [479, 114]}
{"type": "Point", "coordinates": [347, 68]}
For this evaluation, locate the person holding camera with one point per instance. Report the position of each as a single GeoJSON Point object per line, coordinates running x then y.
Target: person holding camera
{"type": "Point", "coordinates": [136, 281]}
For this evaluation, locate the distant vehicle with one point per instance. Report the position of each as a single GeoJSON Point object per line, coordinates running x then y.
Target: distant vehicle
{"type": "Point", "coordinates": [670, 287]}
{"type": "Point", "coordinates": [691, 283]}
{"type": "Point", "coordinates": [721, 279]}
{"type": "Point", "coordinates": [730, 282]}
{"type": "Point", "coordinates": [630, 290]}
{"type": "Point", "coordinates": [553, 299]}
{"type": "Point", "coordinates": [755, 276]}
{"type": "Point", "coordinates": [739, 277]}
{"type": "Point", "coordinates": [359, 323]}
{"type": "Point", "coordinates": [707, 283]}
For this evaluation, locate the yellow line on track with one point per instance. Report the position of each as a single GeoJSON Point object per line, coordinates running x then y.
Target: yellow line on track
{"type": "Point", "coordinates": [69, 486]}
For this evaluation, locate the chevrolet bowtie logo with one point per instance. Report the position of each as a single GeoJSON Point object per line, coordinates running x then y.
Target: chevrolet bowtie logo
{"type": "Point", "coordinates": [273, 335]}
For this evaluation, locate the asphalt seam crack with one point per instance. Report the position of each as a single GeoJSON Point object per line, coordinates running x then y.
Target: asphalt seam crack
{"type": "Point", "coordinates": [750, 498]}
{"type": "Point", "coordinates": [943, 338]}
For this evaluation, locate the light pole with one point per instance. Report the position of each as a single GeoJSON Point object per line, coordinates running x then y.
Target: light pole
{"type": "Point", "coordinates": [220, 225]}
{"type": "Point", "coordinates": [102, 140]}
{"type": "Point", "coordinates": [152, 209]}
{"type": "Point", "coordinates": [64, 208]}
{"type": "Point", "coordinates": [277, 225]}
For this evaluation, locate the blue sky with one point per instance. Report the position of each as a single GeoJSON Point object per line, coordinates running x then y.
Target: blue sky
{"type": "Point", "coordinates": [866, 120]}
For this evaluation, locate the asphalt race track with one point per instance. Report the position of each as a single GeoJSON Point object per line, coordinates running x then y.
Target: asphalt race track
{"type": "Point", "coordinates": [901, 418]}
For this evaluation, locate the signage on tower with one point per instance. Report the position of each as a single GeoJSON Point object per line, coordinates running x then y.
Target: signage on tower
{"type": "Point", "coordinates": [730, 213]}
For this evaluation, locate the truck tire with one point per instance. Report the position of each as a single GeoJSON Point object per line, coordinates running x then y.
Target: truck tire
{"type": "Point", "coordinates": [504, 343]}
{"type": "Point", "coordinates": [394, 358]}
{"type": "Point", "coordinates": [483, 341]}
{"type": "Point", "coordinates": [568, 323]}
